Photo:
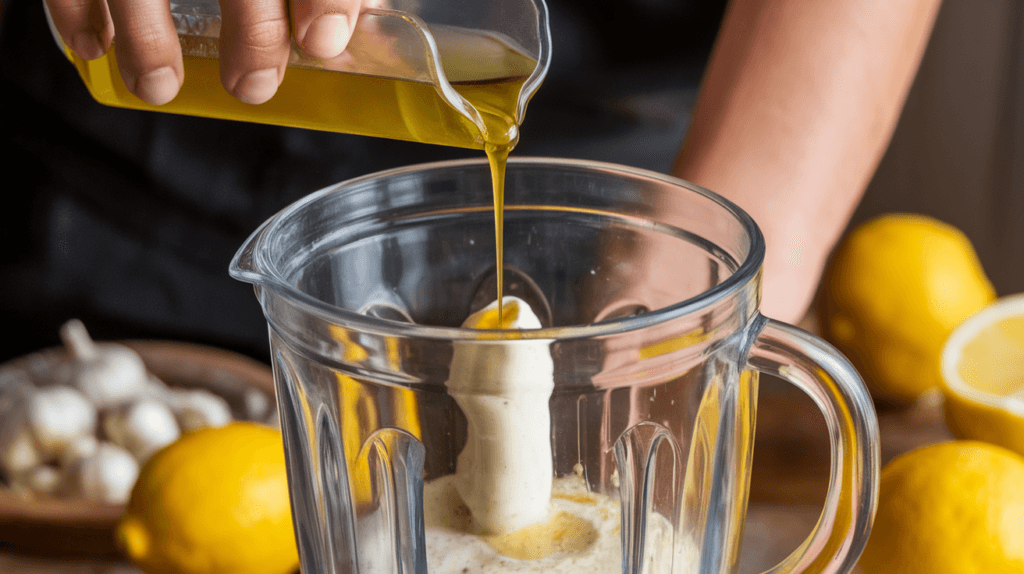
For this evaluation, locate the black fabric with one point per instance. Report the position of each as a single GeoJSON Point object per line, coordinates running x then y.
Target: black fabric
{"type": "Point", "coordinates": [128, 219]}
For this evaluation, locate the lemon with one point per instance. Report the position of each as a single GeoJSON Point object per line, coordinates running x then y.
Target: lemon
{"type": "Point", "coordinates": [983, 372]}
{"type": "Point", "coordinates": [215, 501]}
{"type": "Point", "coordinates": [893, 292]}
{"type": "Point", "coordinates": [956, 507]}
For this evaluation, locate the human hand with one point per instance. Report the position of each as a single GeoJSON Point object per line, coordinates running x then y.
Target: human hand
{"type": "Point", "coordinates": [254, 40]}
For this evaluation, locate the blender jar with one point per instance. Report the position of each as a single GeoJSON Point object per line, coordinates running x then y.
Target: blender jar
{"type": "Point", "coordinates": [646, 289]}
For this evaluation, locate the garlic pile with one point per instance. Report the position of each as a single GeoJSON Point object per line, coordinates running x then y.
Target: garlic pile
{"type": "Point", "coordinates": [83, 427]}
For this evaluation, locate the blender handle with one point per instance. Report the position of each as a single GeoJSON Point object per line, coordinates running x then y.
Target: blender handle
{"type": "Point", "coordinates": [822, 372]}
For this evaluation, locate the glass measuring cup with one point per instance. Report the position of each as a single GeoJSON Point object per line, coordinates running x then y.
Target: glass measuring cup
{"type": "Point", "coordinates": [647, 289]}
{"type": "Point", "coordinates": [434, 71]}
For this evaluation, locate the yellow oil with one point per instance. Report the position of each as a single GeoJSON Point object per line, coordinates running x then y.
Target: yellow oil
{"type": "Point", "coordinates": [564, 532]}
{"type": "Point", "coordinates": [328, 100]}
{"type": "Point", "coordinates": [497, 156]}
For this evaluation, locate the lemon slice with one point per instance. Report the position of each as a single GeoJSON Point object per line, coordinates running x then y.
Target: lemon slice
{"type": "Point", "coordinates": [983, 373]}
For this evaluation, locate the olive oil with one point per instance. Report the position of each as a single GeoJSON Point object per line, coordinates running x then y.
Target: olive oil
{"type": "Point", "coordinates": [497, 156]}
{"type": "Point", "coordinates": [337, 101]}
{"type": "Point", "coordinates": [405, 108]}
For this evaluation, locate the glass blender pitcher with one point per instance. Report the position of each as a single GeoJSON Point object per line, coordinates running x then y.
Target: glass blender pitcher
{"type": "Point", "coordinates": [449, 72]}
{"type": "Point", "coordinates": [646, 291]}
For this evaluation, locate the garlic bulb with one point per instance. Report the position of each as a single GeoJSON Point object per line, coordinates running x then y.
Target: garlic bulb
{"type": "Point", "coordinates": [50, 408]}
{"type": "Point", "coordinates": [199, 409]}
{"type": "Point", "coordinates": [57, 416]}
{"type": "Point", "coordinates": [109, 374]}
{"type": "Point", "coordinates": [106, 476]}
{"type": "Point", "coordinates": [142, 428]}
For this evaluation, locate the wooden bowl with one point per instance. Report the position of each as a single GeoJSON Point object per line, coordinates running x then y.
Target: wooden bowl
{"type": "Point", "coordinates": [69, 527]}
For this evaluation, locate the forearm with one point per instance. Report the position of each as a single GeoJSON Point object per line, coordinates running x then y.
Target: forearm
{"type": "Point", "coordinates": [796, 109]}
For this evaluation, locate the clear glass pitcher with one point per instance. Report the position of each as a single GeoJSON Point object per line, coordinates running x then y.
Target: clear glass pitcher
{"type": "Point", "coordinates": [450, 72]}
{"type": "Point", "coordinates": [646, 289]}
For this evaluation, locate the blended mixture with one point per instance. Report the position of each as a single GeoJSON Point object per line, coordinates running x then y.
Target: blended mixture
{"type": "Point", "coordinates": [580, 536]}
{"type": "Point", "coordinates": [502, 511]}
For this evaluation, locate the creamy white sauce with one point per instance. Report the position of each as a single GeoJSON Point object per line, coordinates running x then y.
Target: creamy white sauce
{"type": "Point", "coordinates": [503, 474]}
{"type": "Point", "coordinates": [504, 481]}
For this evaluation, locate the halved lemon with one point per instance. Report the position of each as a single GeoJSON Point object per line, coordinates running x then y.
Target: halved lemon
{"type": "Point", "coordinates": [983, 375]}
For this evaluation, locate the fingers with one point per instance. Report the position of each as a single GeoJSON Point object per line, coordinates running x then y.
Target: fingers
{"type": "Point", "coordinates": [323, 27]}
{"type": "Point", "coordinates": [254, 45]}
{"type": "Point", "coordinates": [254, 40]}
{"type": "Point", "coordinates": [147, 49]}
{"type": "Point", "coordinates": [83, 25]}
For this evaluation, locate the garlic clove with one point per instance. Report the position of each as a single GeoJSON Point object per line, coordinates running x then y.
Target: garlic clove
{"type": "Point", "coordinates": [156, 389]}
{"type": "Point", "coordinates": [18, 452]}
{"type": "Point", "coordinates": [113, 427]}
{"type": "Point", "coordinates": [257, 405]}
{"type": "Point", "coordinates": [107, 476]}
{"type": "Point", "coordinates": [81, 447]}
{"type": "Point", "coordinates": [142, 428]}
{"type": "Point", "coordinates": [109, 374]}
{"type": "Point", "coordinates": [197, 409]}
{"type": "Point", "coordinates": [57, 416]}
{"type": "Point", "coordinates": [43, 479]}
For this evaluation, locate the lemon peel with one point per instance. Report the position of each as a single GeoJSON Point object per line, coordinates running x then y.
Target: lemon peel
{"type": "Point", "coordinates": [951, 508]}
{"type": "Point", "coordinates": [895, 289]}
{"type": "Point", "coordinates": [214, 501]}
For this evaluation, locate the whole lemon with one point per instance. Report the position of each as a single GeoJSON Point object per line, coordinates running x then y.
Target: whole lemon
{"type": "Point", "coordinates": [956, 507]}
{"type": "Point", "coordinates": [893, 292]}
{"type": "Point", "coordinates": [214, 501]}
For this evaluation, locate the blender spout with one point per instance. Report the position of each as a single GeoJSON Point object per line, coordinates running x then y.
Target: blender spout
{"type": "Point", "coordinates": [249, 265]}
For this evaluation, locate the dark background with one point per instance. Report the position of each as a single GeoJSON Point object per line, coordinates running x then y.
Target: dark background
{"type": "Point", "coordinates": [127, 219]}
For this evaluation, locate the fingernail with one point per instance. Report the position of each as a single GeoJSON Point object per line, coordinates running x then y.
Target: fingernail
{"type": "Point", "coordinates": [87, 45]}
{"type": "Point", "coordinates": [257, 87]}
{"type": "Point", "coordinates": [158, 87]}
{"type": "Point", "coordinates": [327, 36]}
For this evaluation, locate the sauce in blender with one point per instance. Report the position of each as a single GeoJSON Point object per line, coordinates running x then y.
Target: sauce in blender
{"type": "Point", "coordinates": [501, 511]}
